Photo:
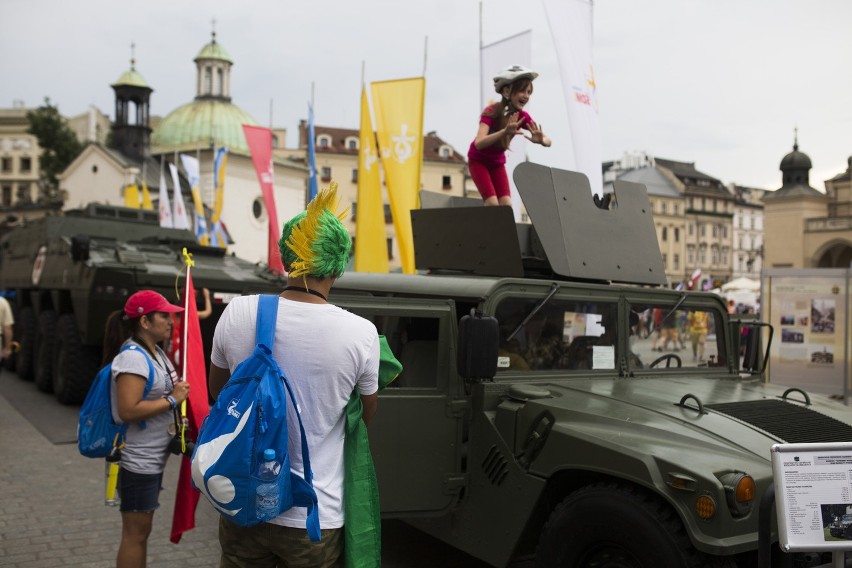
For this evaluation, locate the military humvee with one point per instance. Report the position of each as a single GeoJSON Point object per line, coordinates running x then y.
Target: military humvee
{"type": "Point", "coordinates": [547, 414]}
{"type": "Point", "coordinates": [65, 274]}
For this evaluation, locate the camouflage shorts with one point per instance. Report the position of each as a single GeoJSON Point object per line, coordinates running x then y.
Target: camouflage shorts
{"type": "Point", "coordinates": [273, 546]}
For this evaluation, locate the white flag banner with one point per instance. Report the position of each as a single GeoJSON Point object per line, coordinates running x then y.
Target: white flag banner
{"type": "Point", "coordinates": [165, 206]}
{"type": "Point", "coordinates": [494, 57]}
{"type": "Point", "coordinates": [570, 24]}
{"type": "Point", "coordinates": [179, 218]}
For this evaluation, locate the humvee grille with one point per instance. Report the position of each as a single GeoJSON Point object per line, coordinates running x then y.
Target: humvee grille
{"type": "Point", "coordinates": [789, 422]}
{"type": "Point", "coordinates": [495, 466]}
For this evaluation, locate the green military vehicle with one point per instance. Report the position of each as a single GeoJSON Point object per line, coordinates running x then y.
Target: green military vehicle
{"type": "Point", "coordinates": [548, 416]}
{"type": "Point", "coordinates": [65, 274]}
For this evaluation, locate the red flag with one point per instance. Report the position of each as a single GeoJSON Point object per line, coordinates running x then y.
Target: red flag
{"type": "Point", "coordinates": [260, 145]}
{"type": "Point", "coordinates": [197, 408]}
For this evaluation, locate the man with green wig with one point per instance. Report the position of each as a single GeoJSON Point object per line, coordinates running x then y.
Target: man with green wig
{"type": "Point", "coordinates": [332, 359]}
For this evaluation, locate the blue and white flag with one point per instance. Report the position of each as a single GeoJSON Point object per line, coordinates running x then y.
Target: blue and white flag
{"type": "Point", "coordinates": [312, 157]}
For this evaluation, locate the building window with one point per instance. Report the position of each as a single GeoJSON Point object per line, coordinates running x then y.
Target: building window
{"type": "Point", "coordinates": [208, 81]}
{"type": "Point", "coordinates": [7, 196]}
{"type": "Point", "coordinates": [664, 234]}
{"type": "Point", "coordinates": [446, 182]}
{"type": "Point", "coordinates": [663, 207]}
{"type": "Point", "coordinates": [724, 231]}
{"type": "Point", "coordinates": [325, 173]}
{"type": "Point", "coordinates": [6, 165]}
{"type": "Point", "coordinates": [351, 143]}
{"type": "Point", "coordinates": [390, 248]}
{"type": "Point", "coordinates": [445, 152]}
{"type": "Point", "coordinates": [676, 209]}
{"type": "Point", "coordinates": [691, 229]}
{"type": "Point", "coordinates": [665, 261]}
{"type": "Point", "coordinates": [677, 234]}
{"type": "Point", "coordinates": [690, 256]}
{"type": "Point", "coordinates": [220, 82]}
{"type": "Point", "coordinates": [258, 210]}
{"type": "Point", "coordinates": [715, 231]}
{"type": "Point", "coordinates": [676, 261]}
{"type": "Point", "coordinates": [355, 175]}
{"type": "Point", "coordinates": [323, 141]}
{"type": "Point", "coordinates": [703, 232]}
{"type": "Point", "coordinates": [26, 165]}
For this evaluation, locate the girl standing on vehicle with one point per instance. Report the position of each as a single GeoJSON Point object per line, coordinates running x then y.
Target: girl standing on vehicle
{"type": "Point", "coordinates": [498, 125]}
{"type": "Point", "coordinates": [145, 322]}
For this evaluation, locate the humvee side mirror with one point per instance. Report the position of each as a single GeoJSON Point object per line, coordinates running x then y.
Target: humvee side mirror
{"type": "Point", "coordinates": [477, 349]}
{"type": "Point", "coordinates": [80, 248]}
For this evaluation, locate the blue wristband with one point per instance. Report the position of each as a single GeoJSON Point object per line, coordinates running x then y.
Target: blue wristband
{"type": "Point", "coordinates": [171, 400]}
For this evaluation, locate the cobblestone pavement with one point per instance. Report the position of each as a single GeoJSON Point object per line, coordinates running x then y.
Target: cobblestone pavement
{"type": "Point", "coordinates": [52, 509]}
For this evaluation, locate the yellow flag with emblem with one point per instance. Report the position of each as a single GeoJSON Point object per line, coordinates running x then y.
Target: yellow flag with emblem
{"type": "Point", "coordinates": [131, 196]}
{"type": "Point", "coordinates": [399, 128]}
{"type": "Point", "coordinates": [371, 251]}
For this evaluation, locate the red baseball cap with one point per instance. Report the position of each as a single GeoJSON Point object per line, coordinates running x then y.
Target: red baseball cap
{"type": "Point", "coordinates": [147, 301]}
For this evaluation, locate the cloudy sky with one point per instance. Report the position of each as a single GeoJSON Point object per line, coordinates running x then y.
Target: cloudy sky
{"type": "Point", "coordinates": [722, 83]}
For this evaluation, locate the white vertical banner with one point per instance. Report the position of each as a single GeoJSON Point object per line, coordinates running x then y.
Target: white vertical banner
{"type": "Point", "coordinates": [570, 24]}
{"type": "Point", "coordinates": [165, 206]}
{"type": "Point", "coordinates": [494, 57]}
{"type": "Point", "coordinates": [179, 217]}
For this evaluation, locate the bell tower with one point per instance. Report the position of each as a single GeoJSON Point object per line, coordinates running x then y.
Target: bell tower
{"type": "Point", "coordinates": [131, 131]}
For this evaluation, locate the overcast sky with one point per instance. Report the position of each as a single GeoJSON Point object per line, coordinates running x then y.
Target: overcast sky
{"type": "Point", "coordinates": [721, 83]}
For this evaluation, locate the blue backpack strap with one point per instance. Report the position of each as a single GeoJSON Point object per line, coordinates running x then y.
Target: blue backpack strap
{"type": "Point", "coordinates": [304, 494]}
{"type": "Point", "coordinates": [150, 381]}
{"type": "Point", "coordinates": [267, 315]}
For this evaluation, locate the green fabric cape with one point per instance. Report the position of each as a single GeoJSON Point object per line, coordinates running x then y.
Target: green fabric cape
{"type": "Point", "coordinates": [362, 527]}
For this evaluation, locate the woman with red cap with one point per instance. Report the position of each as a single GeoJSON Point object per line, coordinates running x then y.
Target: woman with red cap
{"type": "Point", "coordinates": [145, 321]}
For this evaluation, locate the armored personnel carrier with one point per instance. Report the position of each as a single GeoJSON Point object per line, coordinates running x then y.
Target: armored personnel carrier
{"type": "Point", "coordinates": [65, 274]}
{"type": "Point", "coordinates": [558, 407]}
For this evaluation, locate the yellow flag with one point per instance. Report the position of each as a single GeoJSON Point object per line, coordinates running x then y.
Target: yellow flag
{"type": "Point", "coordinates": [146, 198]}
{"type": "Point", "coordinates": [131, 196]}
{"type": "Point", "coordinates": [371, 250]}
{"type": "Point", "coordinates": [399, 128]}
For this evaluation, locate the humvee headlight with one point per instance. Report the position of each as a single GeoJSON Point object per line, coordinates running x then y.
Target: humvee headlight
{"type": "Point", "coordinates": [740, 491]}
{"type": "Point", "coordinates": [705, 507]}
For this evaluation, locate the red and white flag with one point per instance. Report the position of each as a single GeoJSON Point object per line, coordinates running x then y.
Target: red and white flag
{"type": "Point", "coordinates": [192, 369]}
{"type": "Point", "coordinates": [260, 145]}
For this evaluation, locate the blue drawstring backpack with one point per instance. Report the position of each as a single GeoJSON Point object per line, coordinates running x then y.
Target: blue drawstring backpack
{"type": "Point", "coordinates": [250, 416]}
{"type": "Point", "coordinates": [96, 429]}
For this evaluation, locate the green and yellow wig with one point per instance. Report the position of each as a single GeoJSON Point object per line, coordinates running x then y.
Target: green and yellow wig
{"type": "Point", "coordinates": [315, 242]}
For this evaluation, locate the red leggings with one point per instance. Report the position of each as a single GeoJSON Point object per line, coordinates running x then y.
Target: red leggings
{"type": "Point", "coordinates": [490, 180]}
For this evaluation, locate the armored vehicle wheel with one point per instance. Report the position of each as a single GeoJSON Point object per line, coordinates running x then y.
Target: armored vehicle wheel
{"type": "Point", "coordinates": [45, 345]}
{"type": "Point", "coordinates": [26, 355]}
{"type": "Point", "coordinates": [667, 359]}
{"type": "Point", "coordinates": [74, 364]}
{"type": "Point", "coordinates": [608, 525]}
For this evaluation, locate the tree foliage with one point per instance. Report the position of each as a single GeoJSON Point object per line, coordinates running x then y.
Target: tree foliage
{"type": "Point", "coordinates": [58, 142]}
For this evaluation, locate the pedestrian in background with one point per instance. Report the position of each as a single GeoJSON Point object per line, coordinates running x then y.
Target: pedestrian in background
{"type": "Point", "coordinates": [326, 353]}
{"type": "Point", "coordinates": [7, 320]}
{"type": "Point", "coordinates": [145, 321]}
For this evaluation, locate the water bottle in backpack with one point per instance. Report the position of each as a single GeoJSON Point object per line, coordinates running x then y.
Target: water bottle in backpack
{"type": "Point", "coordinates": [268, 500]}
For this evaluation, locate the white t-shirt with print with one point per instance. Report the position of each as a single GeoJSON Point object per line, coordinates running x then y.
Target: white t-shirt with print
{"type": "Point", "coordinates": [325, 352]}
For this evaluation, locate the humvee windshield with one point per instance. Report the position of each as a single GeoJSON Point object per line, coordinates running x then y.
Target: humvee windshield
{"type": "Point", "coordinates": [578, 336]}
{"type": "Point", "coordinates": [682, 337]}
{"type": "Point", "coordinates": [563, 334]}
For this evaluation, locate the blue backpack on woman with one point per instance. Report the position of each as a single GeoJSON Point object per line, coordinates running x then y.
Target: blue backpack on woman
{"type": "Point", "coordinates": [249, 417]}
{"type": "Point", "coordinates": [97, 432]}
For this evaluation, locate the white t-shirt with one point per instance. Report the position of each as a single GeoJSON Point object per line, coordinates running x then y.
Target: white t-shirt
{"type": "Point", "coordinates": [325, 352]}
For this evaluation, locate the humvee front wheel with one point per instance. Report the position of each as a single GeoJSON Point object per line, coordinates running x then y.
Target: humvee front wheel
{"type": "Point", "coordinates": [74, 364]}
{"type": "Point", "coordinates": [609, 525]}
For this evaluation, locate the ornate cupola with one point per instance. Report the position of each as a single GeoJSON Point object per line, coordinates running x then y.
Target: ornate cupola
{"type": "Point", "coordinates": [131, 131]}
{"type": "Point", "coordinates": [795, 175]}
{"type": "Point", "coordinates": [213, 77]}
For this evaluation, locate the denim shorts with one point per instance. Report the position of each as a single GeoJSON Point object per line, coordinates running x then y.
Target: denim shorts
{"type": "Point", "coordinates": [139, 492]}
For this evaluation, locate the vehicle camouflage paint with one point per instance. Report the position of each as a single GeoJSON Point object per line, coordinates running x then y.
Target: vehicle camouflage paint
{"type": "Point", "coordinates": [578, 429]}
{"type": "Point", "coordinates": [65, 274]}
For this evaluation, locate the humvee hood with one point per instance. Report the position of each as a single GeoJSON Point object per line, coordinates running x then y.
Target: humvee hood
{"type": "Point", "coordinates": [717, 414]}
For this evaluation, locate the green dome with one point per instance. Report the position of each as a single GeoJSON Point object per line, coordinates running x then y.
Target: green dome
{"type": "Point", "coordinates": [213, 51]}
{"type": "Point", "coordinates": [131, 78]}
{"type": "Point", "coordinates": [197, 124]}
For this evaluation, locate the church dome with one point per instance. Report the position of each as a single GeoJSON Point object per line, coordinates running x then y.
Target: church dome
{"type": "Point", "coordinates": [213, 51]}
{"type": "Point", "coordinates": [795, 160]}
{"type": "Point", "coordinates": [200, 124]}
{"type": "Point", "coordinates": [131, 78]}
